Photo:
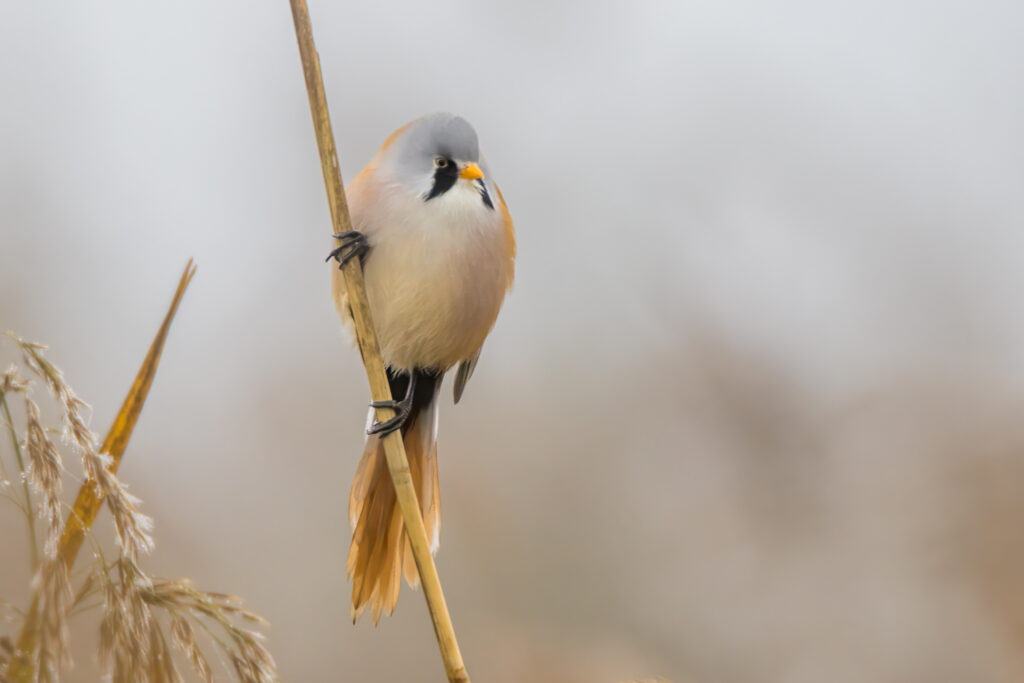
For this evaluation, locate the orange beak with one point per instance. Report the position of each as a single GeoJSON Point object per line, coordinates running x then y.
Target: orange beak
{"type": "Point", "coordinates": [471, 172]}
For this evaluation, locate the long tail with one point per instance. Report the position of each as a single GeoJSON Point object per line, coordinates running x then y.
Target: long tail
{"type": "Point", "coordinates": [380, 550]}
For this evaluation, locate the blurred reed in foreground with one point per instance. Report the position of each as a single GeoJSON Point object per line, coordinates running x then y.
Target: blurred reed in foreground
{"type": "Point", "coordinates": [141, 617]}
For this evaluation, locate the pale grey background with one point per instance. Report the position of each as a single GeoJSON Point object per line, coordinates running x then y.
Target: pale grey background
{"type": "Point", "coordinates": [752, 413]}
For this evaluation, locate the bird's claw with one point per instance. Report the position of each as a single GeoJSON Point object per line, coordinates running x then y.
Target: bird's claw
{"type": "Point", "coordinates": [353, 244]}
{"type": "Point", "coordinates": [402, 409]}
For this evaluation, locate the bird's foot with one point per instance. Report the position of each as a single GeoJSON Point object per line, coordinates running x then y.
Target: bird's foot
{"type": "Point", "coordinates": [353, 244]}
{"type": "Point", "coordinates": [402, 409]}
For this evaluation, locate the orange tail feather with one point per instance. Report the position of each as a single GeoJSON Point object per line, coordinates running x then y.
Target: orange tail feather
{"type": "Point", "coordinates": [380, 552]}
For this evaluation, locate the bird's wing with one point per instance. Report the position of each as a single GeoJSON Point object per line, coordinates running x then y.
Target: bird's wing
{"type": "Point", "coordinates": [463, 374]}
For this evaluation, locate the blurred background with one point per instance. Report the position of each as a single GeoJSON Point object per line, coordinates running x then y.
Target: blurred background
{"type": "Point", "coordinates": [753, 411]}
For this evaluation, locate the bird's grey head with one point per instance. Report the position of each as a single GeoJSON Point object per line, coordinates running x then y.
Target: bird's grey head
{"type": "Point", "coordinates": [431, 154]}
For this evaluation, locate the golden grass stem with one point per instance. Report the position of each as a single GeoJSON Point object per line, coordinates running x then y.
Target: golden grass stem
{"type": "Point", "coordinates": [30, 513]}
{"type": "Point", "coordinates": [366, 338]}
{"type": "Point", "coordinates": [87, 504]}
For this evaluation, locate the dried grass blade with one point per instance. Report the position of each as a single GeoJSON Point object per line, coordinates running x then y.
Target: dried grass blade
{"type": "Point", "coordinates": [20, 669]}
{"type": "Point", "coordinates": [87, 504]}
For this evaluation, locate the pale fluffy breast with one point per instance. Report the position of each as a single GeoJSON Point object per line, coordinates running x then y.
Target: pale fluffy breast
{"type": "Point", "coordinates": [437, 272]}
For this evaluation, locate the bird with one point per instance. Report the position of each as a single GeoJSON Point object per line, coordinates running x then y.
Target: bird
{"type": "Point", "coordinates": [437, 245]}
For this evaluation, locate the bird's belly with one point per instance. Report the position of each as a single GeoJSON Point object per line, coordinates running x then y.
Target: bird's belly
{"type": "Point", "coordinates": [434, 301]}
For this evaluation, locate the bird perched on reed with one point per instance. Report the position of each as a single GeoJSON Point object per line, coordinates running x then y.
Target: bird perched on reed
{"type": "Point", "coordinates": [438, 251]}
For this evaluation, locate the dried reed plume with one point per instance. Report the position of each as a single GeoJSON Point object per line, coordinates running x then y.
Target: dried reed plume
{"type": "Point", "coordinates": [44, 475]}
{"type": "Point", "coordinates": [138, 610]}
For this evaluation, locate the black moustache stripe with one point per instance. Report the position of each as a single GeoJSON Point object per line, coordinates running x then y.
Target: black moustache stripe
{"type": "Point", "coordinates": [444, 180]}
{"type": "Point", "coordinates": [485, 194]}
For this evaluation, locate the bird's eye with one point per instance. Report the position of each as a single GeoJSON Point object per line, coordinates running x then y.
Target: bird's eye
{"type": "Point", "coordinates": [440, 162]}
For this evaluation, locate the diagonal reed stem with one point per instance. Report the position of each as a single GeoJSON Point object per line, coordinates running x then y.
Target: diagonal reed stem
{"type": "Point", "coordinates": [366, 337]}
{"type": "Point", "coordinates": [88, 503]}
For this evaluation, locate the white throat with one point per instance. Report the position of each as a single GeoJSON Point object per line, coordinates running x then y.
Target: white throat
{"type": "Point", "coordinates": [436, 275]}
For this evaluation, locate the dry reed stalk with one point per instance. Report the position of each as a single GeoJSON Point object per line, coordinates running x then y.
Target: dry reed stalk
{"type": "Point", "coordinates": [44, 474]}
{"type": "Point", "coordinates": [87, 504]}
{"type": "Point", "coordinates": [11, 384]}
{"type": "Point", "coordinates": [133, 645]}
{"type": "Point", "coordinates": [366, 338]}
{"type": "Point", "coordinates": [44, 620]}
